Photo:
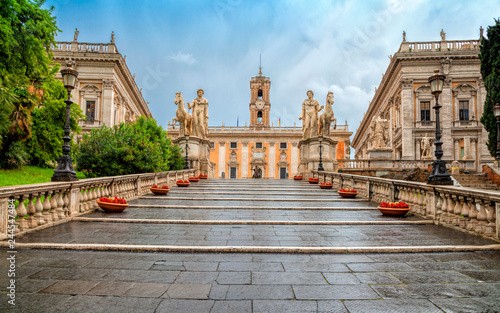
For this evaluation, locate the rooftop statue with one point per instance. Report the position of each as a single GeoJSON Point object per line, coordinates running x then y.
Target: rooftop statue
{"type": "Point", "coordinates": [75, 36]}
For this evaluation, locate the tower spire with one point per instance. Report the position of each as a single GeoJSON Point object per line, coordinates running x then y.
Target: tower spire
{"type": "Point", "coordinates": [260, 65]}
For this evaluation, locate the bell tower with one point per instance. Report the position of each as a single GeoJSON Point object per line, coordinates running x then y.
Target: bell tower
{"type": "Point", "coordinates": [260, 106]}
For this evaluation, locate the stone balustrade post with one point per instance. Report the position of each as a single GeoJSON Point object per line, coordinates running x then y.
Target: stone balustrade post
{"type": "Point", "coordinates": [4, 217]}
{"type": "Point", "coordinates": [138, 185]}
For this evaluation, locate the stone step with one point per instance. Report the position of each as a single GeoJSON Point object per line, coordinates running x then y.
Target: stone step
{"type": "Point", "coordinates": [257, 249]}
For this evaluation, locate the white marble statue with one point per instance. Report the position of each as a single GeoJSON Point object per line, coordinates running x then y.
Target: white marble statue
{"type": "Point", "coordinates": [379, 135]}
{"type": "Point", "coordinates": [200, 115]}
{"type": "Point", "coordinates": [182, 116]}
{"type": "Point", "coordinates": [425, 143]}
{"type": "Point", "coordinates": [309, 116]}
{"type": "Point", "coordinates": [327, 118]}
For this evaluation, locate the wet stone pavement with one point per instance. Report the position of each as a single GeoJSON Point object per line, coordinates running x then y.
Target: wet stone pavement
{"type": "Point", "coordinates": [73, 280]}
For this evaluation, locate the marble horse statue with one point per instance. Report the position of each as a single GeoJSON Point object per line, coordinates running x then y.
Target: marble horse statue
{"type": "Point", "coordinates": [326, 118]}
{"type": "Point", "coordinates": [182, 116]}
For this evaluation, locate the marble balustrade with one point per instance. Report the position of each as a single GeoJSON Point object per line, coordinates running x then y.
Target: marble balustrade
{"type": "Point", "coordinates": [42, 205]}
{"type": "Point", "coordinates": [467, 209]}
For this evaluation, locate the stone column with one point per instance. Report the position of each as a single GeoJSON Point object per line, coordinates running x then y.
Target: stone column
{"type": "Point", "coordinates": [272, 160]}
{"type": "Point", "coordinates": [244, 160]}
{"type": "Point", "coordinates": [446, 118]}
{"type": "Point", "coordinates": [222, 159]}
{"type": "Point", "coordinates": [294, 159]}
{"type": "Point", "coordinates": [418, 149]}
{"type": "Point", "coordinates": [407, 105]}
{"type": "Point", "coordinates": [108, 105]}
{"type": "Point", "coordinates": [467, 150]}
{"type": "Point", "coordinates": [457, 149]}
{"type": "Point", "coordinates": [474, 153]}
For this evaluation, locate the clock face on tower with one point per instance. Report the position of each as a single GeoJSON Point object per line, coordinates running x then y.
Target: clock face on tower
{"type": "Point", "coordinates": [259, 104]}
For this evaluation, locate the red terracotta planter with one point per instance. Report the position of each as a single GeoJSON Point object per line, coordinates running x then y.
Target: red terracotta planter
{"type": "Point", "coordinates": [297, 178]}
{"type": "Point", "coordinates": [315, 181]}
{"type": "Point", "coordinates": [159, 191]}
{"type": "Point", "coordinates": [112, 207]}
{"type": "Point", "coordinates": [393, 211]}
{"type": "Point", "coordinates": [325, 186]}
{"type": "Point", "coordinates": [183, 184]}
{"type": "Point", "coordinates": [347, 194]}
{"type": "Point", "coordinates": [194, 179]}
{"type": "Point", "coordinates": [203, 177]}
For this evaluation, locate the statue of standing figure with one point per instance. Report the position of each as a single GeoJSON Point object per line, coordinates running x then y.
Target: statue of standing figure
{"type": "Point", "coordinates": [379, 135]}
{"type": "Point", "coordinates": [200, 115]}
{"type": "Point", "coordinates": [309, 116]}
{"type": "Point", "coordinates": [327, 118]}
{"type": "Point", "coordinates": [75, 36]}
{"type": "Point", "coordinates": [426, 148]}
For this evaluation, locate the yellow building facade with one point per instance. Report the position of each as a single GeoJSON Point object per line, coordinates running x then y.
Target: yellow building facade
{"type": "Point", "coordinates": [236, 152]}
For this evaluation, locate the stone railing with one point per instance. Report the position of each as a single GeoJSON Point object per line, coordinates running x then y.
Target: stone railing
{"type": "Point", "coordinates": [31, 207]}
{"type": "Point", "coordinates": [399, 164]}
{"type": "Point", "coordinates": [467, 209]}
{"type": "Point", "coordinates": [273, 129]}
{"type": "Point", "coordinates": [449, 45]}
{"type": "Point", "coordinates": [467, 123]}
{"type": "Point", "coordinates": [85, 47]}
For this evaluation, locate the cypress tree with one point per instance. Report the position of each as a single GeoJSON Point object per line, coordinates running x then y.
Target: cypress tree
{"type": "Point", "coordinates": [490, 71]}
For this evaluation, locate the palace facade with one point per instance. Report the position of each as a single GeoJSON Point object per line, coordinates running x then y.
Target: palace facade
{"type": "Point", "coordinates": [106, 90]}
{"type": "Point", "coordinates": [237, 151]}
{"type": "Point", "coordinates": [404, 101]}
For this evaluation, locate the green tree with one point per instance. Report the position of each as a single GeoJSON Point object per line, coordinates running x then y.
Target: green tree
{"type": "Point", "coordinates": [27, 33]}
{"type": "Point", "coordinates": [490, 70]}
{"type": "Point", "coordinates": [140, 147]}
{"type": "Point", "coordinates": [47, 130]}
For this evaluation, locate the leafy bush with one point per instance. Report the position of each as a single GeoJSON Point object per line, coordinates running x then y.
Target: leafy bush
{"type": "Point", "coordinates": [47, 130]}
{"type": "Point", "coordinates": [140, 147]}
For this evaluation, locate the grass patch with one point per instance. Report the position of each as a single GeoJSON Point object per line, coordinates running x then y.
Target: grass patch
{"type": "Point", "coordinates": [28, 175]}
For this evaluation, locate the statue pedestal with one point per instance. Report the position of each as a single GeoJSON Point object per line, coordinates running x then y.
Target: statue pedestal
{"type": "Point", "coordinates": [198, 154]}
{"type": "Point", "coordinates": [380, 157]}
{"type": "Point", "coordinates": [309, 155]}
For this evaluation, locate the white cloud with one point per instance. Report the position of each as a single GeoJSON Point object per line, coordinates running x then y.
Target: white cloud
{"type": "Point", "coordinates": [183, 58]}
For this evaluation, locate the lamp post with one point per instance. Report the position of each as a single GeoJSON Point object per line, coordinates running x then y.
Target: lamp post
{"type": "Point", "coordinates": [320, 166]}
{"type": "Point", "coordinates": [64, 170]}
{"type": "Point", "coordinates": [186, 163]}
{"type": "Point", "coordinates": [439, 175]}
{"type": "Point", "coordinates": [496, 110]}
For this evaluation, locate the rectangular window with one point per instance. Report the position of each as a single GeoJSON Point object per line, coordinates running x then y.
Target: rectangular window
{"type": "Point", "coordinates": [425, 111]}
{"type": "Point", "coordinates": [234, 145]}
{"type": "Point", "coordinates": [90, 111]}
{"type": "Point", "coordinates": [282, 145]}
{"type": "Point", "coordinates": [212, 145]}
{"type": "Point", "coordinates": [463, 110]}
{"type": "Point", "coordinates": [258, 145]}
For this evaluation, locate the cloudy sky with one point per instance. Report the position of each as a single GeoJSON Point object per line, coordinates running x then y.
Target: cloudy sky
{"type": "Point", "coordinates": [339, 46]}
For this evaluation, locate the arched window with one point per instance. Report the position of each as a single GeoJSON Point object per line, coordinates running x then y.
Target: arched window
{"type": "Point", "coordinates": [259, 94]}
{"type": "Point", "coordinates": [259, 117]}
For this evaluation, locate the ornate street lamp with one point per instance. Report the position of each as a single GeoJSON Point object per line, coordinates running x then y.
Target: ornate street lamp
{"type": "Point", "coordinates": [186, 163]}
{"type": "Point", "coordinates": [64, 170]}
{"type": "Point", "coordinates": [320, 166]}
{"type": "Point", "coordinates": [439, 175]}
{"type": "Point", "coordinates": [496, 110]}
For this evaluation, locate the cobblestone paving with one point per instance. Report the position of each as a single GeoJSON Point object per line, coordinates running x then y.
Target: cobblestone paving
{"type": "Point", "coordinates": [106, 281]}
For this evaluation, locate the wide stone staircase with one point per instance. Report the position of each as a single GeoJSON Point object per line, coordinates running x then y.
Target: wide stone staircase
{"type": "Point", "coordinates": [251, 216]}
{"type": "Point", "coordinates": [251, 246]}
{"type": "Point", "coordinates": [479, 181]}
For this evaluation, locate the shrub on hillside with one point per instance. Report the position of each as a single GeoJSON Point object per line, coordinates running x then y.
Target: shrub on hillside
{"type": "Point", "coordinates": [140, 147]}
